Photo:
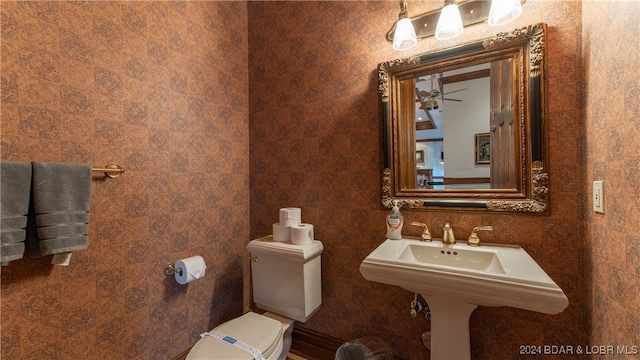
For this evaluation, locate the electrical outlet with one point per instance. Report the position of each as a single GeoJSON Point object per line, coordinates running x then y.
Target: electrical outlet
{"type": "Point", "coordinates": [598, 196]}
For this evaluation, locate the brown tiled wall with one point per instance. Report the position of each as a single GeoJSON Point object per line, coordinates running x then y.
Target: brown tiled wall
{"type": "Point", "coordinates": [612, 122]}
{"type": "Point", "coordinates": [315, 143]}
{"type": "Point", "coordinates": [162, 89]}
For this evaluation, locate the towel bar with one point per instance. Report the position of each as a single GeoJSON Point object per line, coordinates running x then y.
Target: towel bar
{"type": "Point", "coordinates": [111, 170]}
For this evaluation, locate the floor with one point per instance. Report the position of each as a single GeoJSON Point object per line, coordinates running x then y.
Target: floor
{"type": "Point", "coordinates": [294, 357]}
{"type": "Point", "coordinates": [289, 357]}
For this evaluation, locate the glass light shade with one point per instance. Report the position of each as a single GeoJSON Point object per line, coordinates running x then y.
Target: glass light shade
{"type": "Point", "coordinates": [449, 23]}
{"type": "Point", "coordinates": [503, 11]}
{"type": "Point", "coordinates": [405, 36]}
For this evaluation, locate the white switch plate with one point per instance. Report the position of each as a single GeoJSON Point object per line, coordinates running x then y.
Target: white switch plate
{"type": "Point", "coordinates": [598, 196]}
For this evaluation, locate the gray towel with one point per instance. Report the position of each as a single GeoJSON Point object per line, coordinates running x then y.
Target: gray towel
{"type": "Point", "coordinates": [61, 202]}
{"type": "Point", "coordinates": [13, 222]}
{"type": "Point", "coordinates": [10, 252]}
{"type": "Point", "coordinates": [15, 186]}
{"type": "Point", "coordinates": [58, 231]}
{"type": "Point", "coordinates": [62, 218]}
{"type": "Point", "coordinates": [12, 236]}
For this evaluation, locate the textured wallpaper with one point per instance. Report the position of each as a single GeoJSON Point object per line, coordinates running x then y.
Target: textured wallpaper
{"type": "Point", "coordinates": [162, 89]}
{"type": "Point", "coordinates": [612, 122]}
{"type": "Point", "coordinates": [316, 144]}
{"type": "Point", "coordinates": [224, 112]}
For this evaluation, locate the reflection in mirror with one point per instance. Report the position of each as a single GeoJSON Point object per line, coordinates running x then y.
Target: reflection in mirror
{"type": "Point", "coordinates": [464, 126]}
{"type": "Point", "coordinates": [453, 105]}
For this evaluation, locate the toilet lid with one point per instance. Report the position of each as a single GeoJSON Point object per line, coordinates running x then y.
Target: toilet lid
{"type": "Point", "coordinates": [255, 330]}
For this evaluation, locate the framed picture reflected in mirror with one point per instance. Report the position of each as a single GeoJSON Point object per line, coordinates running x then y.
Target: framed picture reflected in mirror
{"type": "Point", "coordinates": [483, 149]}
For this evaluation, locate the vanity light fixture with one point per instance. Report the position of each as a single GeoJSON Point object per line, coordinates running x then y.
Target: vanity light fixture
{"type": "Point", "coordinates": [450, 22]}
{"type": "Point", "coordinates": [406, 32]}
{"type": "Point", "coordinates": [504, 11]}
{"type": "Point", "coordinates": [404, 37]}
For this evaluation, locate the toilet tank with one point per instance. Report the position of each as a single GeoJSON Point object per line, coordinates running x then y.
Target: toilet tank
{"type": "Point", "coordinates": [286, 277]}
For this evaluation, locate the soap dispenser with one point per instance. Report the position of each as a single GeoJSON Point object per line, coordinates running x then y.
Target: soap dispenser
{"type": "Point", "coordinates": [395, 220]}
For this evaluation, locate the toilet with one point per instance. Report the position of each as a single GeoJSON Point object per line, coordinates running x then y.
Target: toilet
{"type": "Point", "coordinates": [286, 284]}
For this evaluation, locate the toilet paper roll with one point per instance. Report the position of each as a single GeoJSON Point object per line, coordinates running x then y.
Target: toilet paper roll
{"type": "Point", "coordinates": [192, 269]}
{"type": "Point", "coordinates": [281, 233]}
{"type": "Point", "coordinates": [290, 216]}
{"type": "Point", "coordinates": [302, 234]}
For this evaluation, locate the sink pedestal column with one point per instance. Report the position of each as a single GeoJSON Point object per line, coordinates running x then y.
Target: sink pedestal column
{"type": "Point", "coordinates": [449, 329]}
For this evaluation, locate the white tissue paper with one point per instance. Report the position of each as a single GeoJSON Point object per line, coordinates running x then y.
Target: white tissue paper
{"type": "Point", "coordinates": [281, 233]}
{"type": "Point", "coordinates": [301, 234]}
{"type": "Point", "coordinates": [192, 269]}
{"type": "Point", "coordinates": [290, 216]}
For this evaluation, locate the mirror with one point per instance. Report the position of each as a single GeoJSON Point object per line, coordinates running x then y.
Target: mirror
{"type": "Point", "coordinates": [464, 128]}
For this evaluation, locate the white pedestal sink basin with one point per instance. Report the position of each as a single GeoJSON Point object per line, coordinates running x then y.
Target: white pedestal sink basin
{"type": "Point", "coordinates": [455, 279]}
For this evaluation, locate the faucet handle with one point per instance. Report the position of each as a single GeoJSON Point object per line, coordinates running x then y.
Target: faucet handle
{"type": "Point", "coordinates": [426, 235]}
{"type": "Point", "coordinates": [473, 239]}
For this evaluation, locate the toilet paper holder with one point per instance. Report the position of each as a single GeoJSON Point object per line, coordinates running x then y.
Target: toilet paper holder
{"type": "Point", "coordinates": [170, 269]}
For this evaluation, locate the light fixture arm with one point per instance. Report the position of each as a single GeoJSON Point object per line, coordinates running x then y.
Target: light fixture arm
{"type": "Point", "coordinates": [403, 10]}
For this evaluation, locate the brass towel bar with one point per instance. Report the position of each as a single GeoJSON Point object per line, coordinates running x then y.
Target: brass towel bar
{"type": "Point", "coordinates": [111, 170]}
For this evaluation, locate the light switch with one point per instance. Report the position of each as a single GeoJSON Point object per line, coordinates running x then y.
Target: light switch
{"type": "Point", "coordinates": [598, 196]}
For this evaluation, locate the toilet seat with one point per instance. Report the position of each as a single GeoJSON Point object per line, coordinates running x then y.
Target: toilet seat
{"type": "Point", "coordinates": [258, 331]}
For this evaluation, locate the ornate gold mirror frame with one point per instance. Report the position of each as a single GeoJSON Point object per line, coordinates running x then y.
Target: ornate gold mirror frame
{"type": "Point", "coordinates": [524, 49]}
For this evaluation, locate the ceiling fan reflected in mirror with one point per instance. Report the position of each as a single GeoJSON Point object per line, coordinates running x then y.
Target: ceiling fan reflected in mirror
{"type": "Point", "coordinates": [426, 95]}
{"type": "Point", "coordinates": [427, 99]}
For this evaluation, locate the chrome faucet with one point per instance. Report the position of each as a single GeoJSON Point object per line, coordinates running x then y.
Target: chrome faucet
{"type": "Point", "coordinates": [448, 237]}
{"type": "Point", "coordinates": [426, 235]}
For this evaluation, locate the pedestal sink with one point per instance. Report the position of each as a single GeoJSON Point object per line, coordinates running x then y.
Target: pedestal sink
{"type": "Point", "coordinates": [455, 279]}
